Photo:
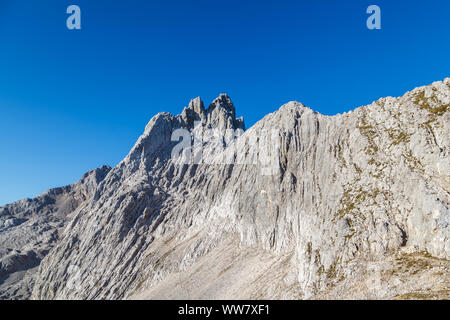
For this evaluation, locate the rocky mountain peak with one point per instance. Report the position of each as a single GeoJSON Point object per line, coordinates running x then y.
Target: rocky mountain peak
{"type": "Point", "coordinates": [30, 228]}
{"type": "Point", "coordinates": [97, 174]}
{"type": "Point", "coordinates": [197, 106]}
{"type": "Point", "coordinates": [220, 113]}
{"type": "Point", "coordinates": [195, 111]}
{"type": "Point", "coordinates": [350, 206]}
{"type": "Point", "coordinates": [223, 101]}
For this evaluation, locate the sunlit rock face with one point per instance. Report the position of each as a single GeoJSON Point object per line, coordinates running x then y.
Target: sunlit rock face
{"type": "Point", "coordinates": [30, 228]}
{"type": "Point", "coordinates": [299, 206]}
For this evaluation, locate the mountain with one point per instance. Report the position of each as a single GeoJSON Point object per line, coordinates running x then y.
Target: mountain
{"type": "Point", "coordinates": [30, 228]}
{"type": "Point", "coordinates": [299, 206]}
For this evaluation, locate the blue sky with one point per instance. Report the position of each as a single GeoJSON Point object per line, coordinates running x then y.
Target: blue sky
{"type": "Point", "coordinates": [71, 101]}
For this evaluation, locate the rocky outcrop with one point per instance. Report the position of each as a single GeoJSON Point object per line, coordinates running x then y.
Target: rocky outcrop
{"type": "Point", "coordinates": [30, 228]}
{"type": "Point", "coordinates": [299, 206]}
{"type": "Point", "coordinates": [220, 113]}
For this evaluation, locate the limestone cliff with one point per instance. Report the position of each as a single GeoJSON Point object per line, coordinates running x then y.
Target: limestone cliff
{"type": "Point", "coordinates": [299, 206]}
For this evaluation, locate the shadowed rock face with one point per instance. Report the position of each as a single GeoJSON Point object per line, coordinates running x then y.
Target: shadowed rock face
{"type": "Point", "coordinates": [350, 198]}
{"type": "Point", "coordinates": [220, 113]}
{"type": "Point", "coordinates": [30, 228]}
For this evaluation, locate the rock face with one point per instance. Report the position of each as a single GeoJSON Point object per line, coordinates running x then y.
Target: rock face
{"type": "Point", "coordinates": [299, 206]}
{"type": "Point", "coordinates": [30, 228]}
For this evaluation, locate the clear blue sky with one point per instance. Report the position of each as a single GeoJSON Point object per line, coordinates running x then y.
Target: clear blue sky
{"type": "Point", "coordinates": [71, 101]}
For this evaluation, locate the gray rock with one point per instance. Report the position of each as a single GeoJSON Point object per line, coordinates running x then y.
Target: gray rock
{"type": "Point", "coordinates": [30, 228]}
{"type": "Point", "coordinates": [299, 206]}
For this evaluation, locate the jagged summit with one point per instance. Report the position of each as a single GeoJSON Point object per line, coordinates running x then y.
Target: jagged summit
{"type": "Point", "coordinates": [223, 101]}
{"type": "Point", "coordinates": [358, 207]}
{"type": "Point", "coordinates": [157, 142]}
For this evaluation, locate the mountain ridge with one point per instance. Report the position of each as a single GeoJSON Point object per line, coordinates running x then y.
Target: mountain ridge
{"type": "Point", "coordinates": [366, 179]}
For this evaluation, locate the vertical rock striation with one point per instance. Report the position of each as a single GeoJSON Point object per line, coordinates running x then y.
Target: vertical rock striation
{"type": "Point", "coordinates": [300, 205]}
